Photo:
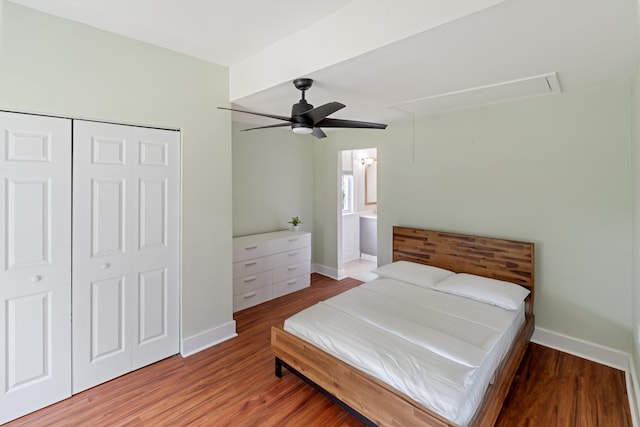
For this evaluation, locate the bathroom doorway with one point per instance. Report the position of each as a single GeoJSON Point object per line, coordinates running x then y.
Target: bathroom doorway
{"type": "Point", "coordinates": [357, 213]}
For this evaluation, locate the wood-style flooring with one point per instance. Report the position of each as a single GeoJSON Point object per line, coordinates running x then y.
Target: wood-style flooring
{"type": "Point", "coordinates": [233, 384]}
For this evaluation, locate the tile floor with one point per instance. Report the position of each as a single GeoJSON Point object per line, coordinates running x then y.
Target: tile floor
{"type": "Point", "coordinates": [360, 269]}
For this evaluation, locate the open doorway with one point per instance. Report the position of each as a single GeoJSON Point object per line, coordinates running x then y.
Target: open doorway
{"type": "Point", "coordinates": [357, 216]}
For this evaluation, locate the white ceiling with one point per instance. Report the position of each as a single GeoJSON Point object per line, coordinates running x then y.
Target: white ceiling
{"type": "Point", "coordinates": [378, 56]}
{"type": "Point", "coordinates": [220, 31]}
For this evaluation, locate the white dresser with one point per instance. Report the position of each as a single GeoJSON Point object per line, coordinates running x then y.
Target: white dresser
{"type": "Point", "coordinates": [269, 265]}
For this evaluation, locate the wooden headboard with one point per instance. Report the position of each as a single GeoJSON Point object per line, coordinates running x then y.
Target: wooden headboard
{"type": "Point", "coordinates": [500, 259]}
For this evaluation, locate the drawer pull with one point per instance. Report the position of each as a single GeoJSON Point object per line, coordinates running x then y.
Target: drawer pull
{"type": "Point", "coordinates": [250, 279]}
{"type": "Point", "coordinates": [251, 247]}
{"type": "Point", "coordinates": [292, 282]}
{"type": "Point", "coordinates": [251, 295]}
{"type": "Point", "coordinates": [292, 268]}
{"type": "Point", "coordinates": [293, 254]}
{"type": "Point", "coordinates": [293, 240]}
{"type": "Point", "coordinates": [249, 264]}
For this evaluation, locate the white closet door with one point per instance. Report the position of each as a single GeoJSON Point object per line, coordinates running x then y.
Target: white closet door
{"type": "Point", "coordinates": [103, 227]}
{"type": "Point", "coordinates": [35, 262]}
{"type": "Point", "coordinates": [125, 249]}
{"type": "Point", "coordinates": [157, 254]}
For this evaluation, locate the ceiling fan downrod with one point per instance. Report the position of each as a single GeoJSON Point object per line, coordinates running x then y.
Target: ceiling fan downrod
{"type": "Point", "coordinates": [303, 85]}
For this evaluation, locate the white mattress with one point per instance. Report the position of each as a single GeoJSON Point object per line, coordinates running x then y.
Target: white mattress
{"type": "Point", "coordinates": [439, 349]}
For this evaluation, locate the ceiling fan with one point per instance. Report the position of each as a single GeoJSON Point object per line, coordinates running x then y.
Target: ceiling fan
{"type": "Point", "coordinates": [305, 119]}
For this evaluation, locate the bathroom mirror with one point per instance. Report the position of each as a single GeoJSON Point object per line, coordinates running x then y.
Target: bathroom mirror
{"type": "Point", "coordinates": [370, 184]}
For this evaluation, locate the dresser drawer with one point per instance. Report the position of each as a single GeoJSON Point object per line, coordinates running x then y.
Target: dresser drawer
{"type": "Point", "coordinates": [290, 242]}
{"type": "Point", "coordinates": [251, 266]}
{"type": "Point", "coordinates": [244, 249]}
{"type": "Point", "coordinates": [251, 298]}
{"type": "Point", "coordinates": [291, 285]}
{"type": "Point", "coordinates": [252, 282]}
{"type": "Point", "coordinates": [292, 257]}
{"type": "Point", "coordinates": [290, 271]}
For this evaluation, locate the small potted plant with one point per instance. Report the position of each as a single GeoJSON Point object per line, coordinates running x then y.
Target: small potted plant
{"type": "Point", "coordinates": [295, 223]}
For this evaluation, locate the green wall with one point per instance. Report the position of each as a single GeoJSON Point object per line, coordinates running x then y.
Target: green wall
{"type": "Point", "coordinates": [272, 179]}
{"type": "Point", "coordinates": [55, 66]}
{"type": "Point", "coordinates": [553, 170]}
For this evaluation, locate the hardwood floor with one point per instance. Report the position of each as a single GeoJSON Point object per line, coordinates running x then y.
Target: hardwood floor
{"type": "Point", "coordinates": [233, 384]}
{"type": "Point", "coordinates": [552, 388]}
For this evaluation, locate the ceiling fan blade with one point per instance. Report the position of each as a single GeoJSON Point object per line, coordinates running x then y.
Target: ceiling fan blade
{"type": "Point", "coordinates": [272, 116]}
{"type": "Point", "coordinates": [270, 126]}
{"type": "Point", "coordinates": [319, 113]}
{"type": "Point", "coordinates": [318, 133]}
{"type": "Point", "coordinates": [338, 123]}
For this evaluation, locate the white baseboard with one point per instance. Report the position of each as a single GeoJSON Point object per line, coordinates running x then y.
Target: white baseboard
{"type": "Point", "coordinates": [585, 349]}
{"type": "Point", "coordinates": [208, 338]}
{"type": "Point", "coordinates": [596, 353]}
{"type": "Point", "coordinates": [368, 257]}
{"type": "Point", "coordinates": [330, 272]}
{"type": "Point", "coordinates": [353, 256]}
{"type": "Point", "coordinates": [633, 393]}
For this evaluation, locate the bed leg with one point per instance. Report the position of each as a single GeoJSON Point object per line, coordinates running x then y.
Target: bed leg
{"type": "Point", "coordinates": [278, 368]}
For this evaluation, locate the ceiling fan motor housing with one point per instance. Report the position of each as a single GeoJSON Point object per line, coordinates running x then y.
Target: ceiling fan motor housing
{"type": "Point", "coordinates": [299, 108]}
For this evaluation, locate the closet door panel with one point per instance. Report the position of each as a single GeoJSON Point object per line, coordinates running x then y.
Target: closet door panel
{"type": "Point", "coordinates": [103, 284]}
{"type": "Point", "coordinates": [108, 216]}
{"type": "Point", "coordinates": [35, 262]}
{"type": "Point", "coordinates": [28, 219]}
{"type": "Point", "coordinates": [157, 256]}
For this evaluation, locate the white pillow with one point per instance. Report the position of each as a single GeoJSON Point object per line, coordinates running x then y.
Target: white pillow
{"type": "Point", "coordinates": [491, 291]}
{"type": "Point", "coordinates": [411, 272]}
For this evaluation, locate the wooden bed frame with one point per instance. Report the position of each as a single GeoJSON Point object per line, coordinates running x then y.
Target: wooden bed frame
{"type": "Point", "coordinates": [377, 403]}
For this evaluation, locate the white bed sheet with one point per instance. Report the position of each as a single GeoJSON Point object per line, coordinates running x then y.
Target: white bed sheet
{"type": "Point", "coordinates": [439, 349]}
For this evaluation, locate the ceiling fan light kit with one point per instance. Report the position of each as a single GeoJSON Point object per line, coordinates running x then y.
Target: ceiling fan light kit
{"type": "Point", "coordinates": [305, 119]}
{"type": "Point", "coordinates": [301, 129]}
